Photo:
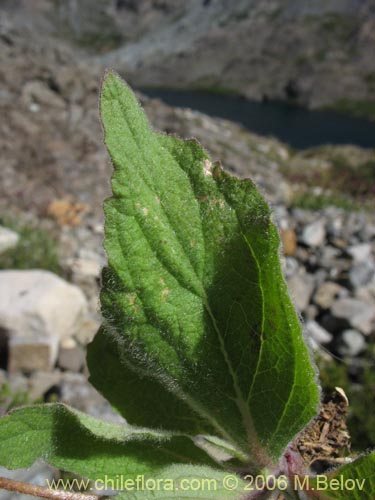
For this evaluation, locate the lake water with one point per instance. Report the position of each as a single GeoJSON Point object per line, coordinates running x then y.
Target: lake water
{"type": "Point", "coordinates": [299, 127]}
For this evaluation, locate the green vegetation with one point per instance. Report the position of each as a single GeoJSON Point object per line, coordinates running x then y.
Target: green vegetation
{"type": "Point", "coordinates": [345, 176]}
{"type": "Point", "coordinates": [10, 399]}
{"type": "Point", "coordinates": [310, 201]}
{"type": "Point", "coordinates": [359, 108]}
{"type": "Point", "coordinates": [36, 249]}
{"type": "Point", "coordinates": [333, 26]}
{"type": "Point", "coordinates": [99, 42]}
{"type": "Point", "coordinates": [370, 80]}
{"type": "Point", "coordinates": [216, 89]}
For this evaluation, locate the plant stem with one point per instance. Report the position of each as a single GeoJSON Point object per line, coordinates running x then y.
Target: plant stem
{"type": "Point", "coordinates": [43, 491]}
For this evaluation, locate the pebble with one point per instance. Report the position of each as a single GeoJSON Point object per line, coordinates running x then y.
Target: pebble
{"type": "Point", "coordinates": [327, 293]}
{"type": "Point", "coordinates": [71, 357]}
{"type": "Point", "coordinates": [362, 274]}
{"type": "Point", "coordinates": [289, 241]}
{"type": "Point", "coordinates": [358, 314]}
{"type": "Point", "coordinates": [351, 343]}
{"type": "Point", "coordinates": [313, 235]}
{"type": "Point", "coordinates": [360, 252]}
{"type": "Point", "coordinates": [301, 287]}
{"type": "Point", "coordinates": [319, 334]}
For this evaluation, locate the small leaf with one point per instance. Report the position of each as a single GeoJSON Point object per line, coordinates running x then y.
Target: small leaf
{"type": "Point", "coordinates": [194, 294]}
{"type": "Point", "coordinates": [78, 443]}
{"type": "Point", "coordinates": [193, 483]}
{"type": "Point", "coordinates": [354, 481]}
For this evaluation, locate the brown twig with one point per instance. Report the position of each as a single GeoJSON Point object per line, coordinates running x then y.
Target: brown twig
{"type": "Point", "coordinates": [43, 491]}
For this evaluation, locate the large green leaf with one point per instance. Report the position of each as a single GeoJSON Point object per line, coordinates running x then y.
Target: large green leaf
{"type": "Point", "coordinates": [354, 481]}
{"type": "Point", "coordinates": [194, 294]}
{"type": "Point", "coordinates": [194, 483]}
{"type": "Point", "coordinates": [73, 441]}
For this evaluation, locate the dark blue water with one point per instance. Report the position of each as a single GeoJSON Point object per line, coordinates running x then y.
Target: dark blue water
{"type": "Point", "coordinates": [297, 126]}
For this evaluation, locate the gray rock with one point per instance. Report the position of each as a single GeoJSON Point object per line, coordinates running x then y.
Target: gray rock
{"type": "Point", "coordinates": [352, 343]}
{"type": "Point", "coordinates": [327, 293]}
{"type": "Point", "coordinates": [301, 287]}
{"type": "Point", "coordinates": [290, 266]}
{"type": "Point", "coordinates": [71, 356]}
{"type": "Point", "coordinates": [318, 333]}
{"type": "Point", "coordinates": [358, 314]}
{"type": "Point", "coordinates": [365, 294]}
{"type": "Point", "coordinates": [362, 274]}
{"type": "Point", "coordinates": [328, 256]}
{"type": "Point", "coordinates": [334, 225]}
{"type": "Point", "coordinates": [84, 269]}
{"type": "Point", "coordinates": [360, 252]}
{"type": "Point", "coordinates": [368, 231]}
{"type": "Point", "coordinates": [311, 311]}
{"type": "Point", "coordinates": [8, 239]}
{"type": "Point", "coordinates": [27, 354]}
{"type": "Point", "coordinates": [313, 235]}
{"type": "Point", "coordinates": [365, 321]}
{"type": "Point", "coordinates": [17, 382]}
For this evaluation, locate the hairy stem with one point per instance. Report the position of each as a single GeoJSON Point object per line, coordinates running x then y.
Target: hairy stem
{"type": "Point", "coordinates": [43, 491]}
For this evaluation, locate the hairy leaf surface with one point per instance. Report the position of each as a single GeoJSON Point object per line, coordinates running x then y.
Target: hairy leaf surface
{"type": "Point", "coordinates": [139, 398]}
{"type": "Point", "coordinates": [354, 481]}
{"type": "Point", "coordinates": [75, 442]}
{"type": "Point", "coordinates": [194, 295]}
{"type": "Point", "coordinates": [193, 483]}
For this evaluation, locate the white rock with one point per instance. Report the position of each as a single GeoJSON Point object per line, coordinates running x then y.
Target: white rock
{"type": "Point", "coordinates": [313, 235]}
{"type": "Point", "coordinates": [84, 268]}
{"type": "Point", "coordinates": [360, 315]}
{"type": "Point", "coordinates": [301, 287]}
{"type": "Point", "coordinates": [360, 252]}
{"type": "Point", "coordinates": [319, 334]}
{"type": "Point", "coordinates": [37, 304]}
{"type": "Point", "coordinates": [365, 321]}
{"type": "Point", "coordinates": [8, 239]}
{"type": "Point", "coordinates": [327, 293]}
{"type": "Point", "coordinates": [362, 274]}
{"type": "Point", "coordinates": [352, 343]}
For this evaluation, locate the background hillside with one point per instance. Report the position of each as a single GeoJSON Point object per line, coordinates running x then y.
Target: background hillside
{"type": "Point", "coordinates": [317, 53]}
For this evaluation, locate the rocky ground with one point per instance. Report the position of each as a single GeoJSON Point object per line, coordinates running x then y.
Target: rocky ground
{"type": "Point", "coordinates": [54, 175]}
